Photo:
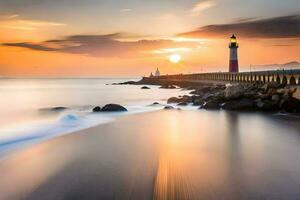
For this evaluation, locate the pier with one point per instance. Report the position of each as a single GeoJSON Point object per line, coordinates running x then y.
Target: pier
{"type": "Point", "coordinates": [285, 77]}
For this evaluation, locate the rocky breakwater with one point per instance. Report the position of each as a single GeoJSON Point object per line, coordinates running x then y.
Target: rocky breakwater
{"type": "Point", "coordinates": [246, 97]}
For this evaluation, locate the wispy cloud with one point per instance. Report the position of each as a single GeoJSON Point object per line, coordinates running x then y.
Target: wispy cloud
{"type": "Point", "coordinates": [110, 45]}
{"type": "Point", "coordinates": [13, 16]}
{"type": "Point", "coordinates": [172, 50]}
{"type": "Point", "coordinates": [126, 10]}
{"type": "Point", "coordinates": [201, 6]}
{"type": "Point", "coordinates": [14, 22]}
{"type": "Point", "coordinates": [277, 27]}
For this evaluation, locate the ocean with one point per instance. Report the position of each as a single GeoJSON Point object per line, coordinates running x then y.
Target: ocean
{"type": "Point", "coordinates": [27, 114]}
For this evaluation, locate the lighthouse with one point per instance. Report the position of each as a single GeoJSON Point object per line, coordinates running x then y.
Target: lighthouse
{"type": "Point", "coordinates": [233, 62]}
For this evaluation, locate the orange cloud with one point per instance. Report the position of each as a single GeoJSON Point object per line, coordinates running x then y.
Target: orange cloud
{"type": "Point", "coordinates": [110, 45]}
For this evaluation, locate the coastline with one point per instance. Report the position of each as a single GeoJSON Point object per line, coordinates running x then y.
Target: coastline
{"type": "Point", "coordinates": [257, 96]}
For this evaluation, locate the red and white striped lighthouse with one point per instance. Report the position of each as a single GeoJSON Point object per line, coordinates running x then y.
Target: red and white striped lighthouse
{"type": "Point", "coordinates": [233, 62]}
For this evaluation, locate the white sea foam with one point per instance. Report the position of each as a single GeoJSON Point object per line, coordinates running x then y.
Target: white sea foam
{"type": "Point", "coordinates": [14, 138]}
{"type": "Point", "coordinates": [68, 122]}
{"type": "Point", "coordinates": [31, 133]}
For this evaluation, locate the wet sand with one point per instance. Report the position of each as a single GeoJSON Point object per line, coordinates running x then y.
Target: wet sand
{"type": "Point", "coordinates": [163, 155]}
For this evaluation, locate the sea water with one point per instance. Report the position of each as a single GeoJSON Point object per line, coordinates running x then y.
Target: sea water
{"type": "Point", "coordinates": [26, 106]}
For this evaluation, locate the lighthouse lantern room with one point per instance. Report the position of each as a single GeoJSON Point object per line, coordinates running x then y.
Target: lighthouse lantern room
{"type": "Point", "coordinates": [233, 62]}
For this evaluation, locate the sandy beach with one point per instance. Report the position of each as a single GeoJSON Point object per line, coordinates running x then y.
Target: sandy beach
{"type": "Point", "coordinates": [169, 155]}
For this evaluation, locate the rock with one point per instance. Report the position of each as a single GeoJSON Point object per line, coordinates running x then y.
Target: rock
{"type": "Point", "coordinates": [204, 89]}
{"type": "Point", "coordinates": [167, 87]}
{"type": "Point", "coordinates": [263, 95]}
{"type": "Point", "coordinates": [195, 92]}
{"type": "Point", "coordinates": [126, 83]}
{"type": "Point", "coordinates": [271, 91]}
{"type": "Point", "coordinates": [250, 95]}
{"type": "Point", "coordinates": [182, 104]}
{"type": "Point", "coordinates": [174, 100]}
{"type": "Point", "coordinates": [145, 87]}
{"type": "Point", "coordinates": [243, 104]}
{"type": "Point", "coordinates": [54, 109]}
{"type": "Point", "coordinates": [207, 96]}
{"type": "Point", "coordinates": [168, 107]}
{"type": "Point", "coordinates": [155, 103]}
{"type": "Point", "coordinates": [283, 91]}
{"type": "Point", "coordinates": [275, 97]}
{"type": "Point", "coordinates": [198, 102]}
{"type": "Point", "coordinates": [58, 108]}
{"type": "Point", "coordinates": [218, 97]}
{"type": "Point", "coordinates": [271, 85]}
{"type": "Point", "coordinates": [97, 109]}
{"type": "Point", "coordinates": [211, 106]}
{"type": "Point", "coordinates": [268, 105]}
{"type": "Point", "coordinates": [234, 91]}
{"type": "Point", "coordinates": [186, 97]}
{"type": "Point", "coordinates": [113, 108]}
{"type": "Point", "coordinates": [296, 94]}
{"type": "Point", "coordinates": [292, 105]}
{"type": "Point", "coordinates": [286, 93]}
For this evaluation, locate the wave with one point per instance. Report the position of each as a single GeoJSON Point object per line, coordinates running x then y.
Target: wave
{"type": "Point", "coordinates": [22, 136]}
{"type": "Point", "coordinates": [69, 121]}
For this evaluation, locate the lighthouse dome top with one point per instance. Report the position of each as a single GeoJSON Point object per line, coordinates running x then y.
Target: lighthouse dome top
{"type": "Point", "coordinates": [233, 42]}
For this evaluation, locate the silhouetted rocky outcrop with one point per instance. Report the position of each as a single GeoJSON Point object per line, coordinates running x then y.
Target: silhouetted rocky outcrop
{"type": "Point", "coordinates": [110, 108]}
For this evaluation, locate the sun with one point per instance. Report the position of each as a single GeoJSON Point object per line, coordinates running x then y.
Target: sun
{"type": "Point", "coordinates": [175, 58]}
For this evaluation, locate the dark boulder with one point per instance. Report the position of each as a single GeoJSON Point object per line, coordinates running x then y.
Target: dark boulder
{"type": "Point", "coordinates": [168, 107]}
{"type": "Point", "coordinates": [198, 102]}
{"type": "Point", "coordinates": [155, 103]}
{"type": "Point", "coordinates": [186, 99]}
{"type": "Point", "coordinates": [54, 109]}
{"type": "Point", "coordinates": [296, 94]}
{"type": "Point", "coordinates": [292, 105]}
{"type": "Point", "coordinates": [182, 104]}
{"type": "Point", "coordinates": [126, 83]}
{"type": "Point", "coordinates": [167, 87]}
{"type": "Point", "coordinates": [243, 104]}
{"type": "Point", "coordinates": [113, 108]}
{"type": "Point", "coordinates": [271, 85]}
{"type": "Point", "coordinates": [207, 96]}
{"type": "Point", "coordinates": [58, 108]}
{"type": "Point", "coordinates": [145, 88]}
{"type": "Point", "coordinates": [211, 105]}
{"type": "Point", "coordinates": [234, 91]}
{"type": "Point", "coordinates": [275, 97]}
{"type": "Point", "coordinates": [174, 100]}
{"type": "Point", "coordinates": [201, 90]}
{"type": "Point", "coordinates": [97, 109]}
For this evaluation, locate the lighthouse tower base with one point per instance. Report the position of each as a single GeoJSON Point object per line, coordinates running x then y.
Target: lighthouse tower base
{"type": "Point", "coordinates": [233, 66]}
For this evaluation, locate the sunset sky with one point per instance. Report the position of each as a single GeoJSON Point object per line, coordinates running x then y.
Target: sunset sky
{"type": "Point", "coordinates": [132, 37]}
